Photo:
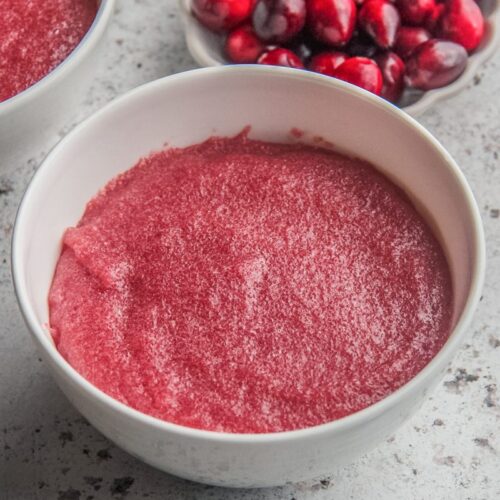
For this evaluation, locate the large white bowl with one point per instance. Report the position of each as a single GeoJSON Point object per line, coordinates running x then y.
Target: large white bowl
{"type": "Point", "coordinates": [187, 108]}
{"type": "Point", "coordinates": [207, 50]}
{"type": "Point", "coordinates": [30, 120]}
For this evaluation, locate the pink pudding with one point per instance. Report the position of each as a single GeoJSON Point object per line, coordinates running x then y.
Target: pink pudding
{"type": "Point", "coordinates": [251, 287]}
{"type": "Point", "coordinates": [36, 36]}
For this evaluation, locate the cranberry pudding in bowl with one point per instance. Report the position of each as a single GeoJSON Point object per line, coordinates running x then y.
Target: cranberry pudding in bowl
{"type": "Point", "coordinates": [49, 52]}
{"type": "Point", "coordinates": [247, 309]}
{"type": "Point", "coordinates": [36, 36]}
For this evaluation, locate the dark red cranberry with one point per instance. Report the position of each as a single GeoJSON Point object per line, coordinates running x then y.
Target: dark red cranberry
{"type": "Point", "coordinates": [415, 12]}
{"type": "Point", "coordinates": [331, 21]}
{"type": "Point", "coordinates": [362, 72]}
{"type": "Point", "coordinates": [433, 20]}
{"type": "Point", "coordinates": [393, 72]}
{"type": "Point", "coordinates": [278, 21]}
{"type": "Point", "coordinates": [326, 62]}
{"type": "Point", "coordinates": [280, 57]}
{"type": "Point", "coordinates": [435, 63]}
{"type": "Point", "coordinates": [361, 45]}
{"type": "Point", "coordinates": [462, 22]}
{"type": "Point", "coordinates": [408, 39]}
{"type": "Point", "coordinates": [380, 19]}
{"type": "Point", "coordinates": [243, 46]}
{"type": "Point", "coordinates": [222, 15]}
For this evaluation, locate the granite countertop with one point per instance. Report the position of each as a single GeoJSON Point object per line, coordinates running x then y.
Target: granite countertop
{"type": "Point", "coordinates": [449, 450]}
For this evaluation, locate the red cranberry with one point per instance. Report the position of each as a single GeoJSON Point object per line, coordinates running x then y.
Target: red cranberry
{"type": "Point", "coordinates": [331, 21]}
{"type": "Point", "coordinates": [380, 19]}
{"type": "Point", "coordinates": [280, 57]}
{"type": "Point", "coordinates": [222, 15]}
{"type": "Point", "coordinates": [415, 12]}
{"type": "Point", "coordinates": [362, 72]}
{"type": "Point", "coordinates": [393, 72]}
{"type": "Point", "coordinates": [408, 39]}
{"type": "Point", "coordinates": [433, 20]}
{"type": "Point", "coordinates": [243, 45]}
{"type": "Point", "coordinates": [462, 22]}
{"type": "Point", "coordinates": [327, 62]}
{"type": "Point", "coordinates": [435, 63]}
{"type": "Point", "coordinates": [278, 21]}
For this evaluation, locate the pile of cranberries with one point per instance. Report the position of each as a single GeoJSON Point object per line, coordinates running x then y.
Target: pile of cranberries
{"type": "Point", "coordinates": [380, 45]}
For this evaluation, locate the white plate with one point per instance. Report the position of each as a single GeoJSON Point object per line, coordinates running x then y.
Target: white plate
{"type": "Point", "coordinates": [207, 50]}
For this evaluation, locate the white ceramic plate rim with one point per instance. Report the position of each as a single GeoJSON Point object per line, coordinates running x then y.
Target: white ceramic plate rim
{"type": "Point", "coordinates": [339, 425]}
{"type": "Point", "coordinates": [86, 44]}
{"type": "Point", "coordinates": [202, 56]}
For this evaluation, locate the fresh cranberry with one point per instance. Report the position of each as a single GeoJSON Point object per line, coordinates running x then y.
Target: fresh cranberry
{"type": "Point", "coordinates": [243, 46]}
{"type": "Point", "coordinates": [278, 21]}
{"type": "Point", "coordinates": [415, 12]}
{"type": "Point", "coordinates": [393, 72]}
{"type": "Point", "coordinates": [408, 39]}
{"type": "Point", "coordinates": [380, 19]}
{"type": "Point", "coordinates": [361, 45]}
{"type": "Point", "coordinates": [362, 72]}
{"type": "Point", "coordinates": [462, 22]}
{"type": "Point", "coordinates": [331, 21]}
{"type": "Point", "coordinates": [435, 63]}
{"type": "Point", "coordinates": [327, 62]}
{"type": "Point", "coordinates": [280, 57]}
{"type": "Point", "coordinates": [433, 20]}
{"type": "Point", "coordinates": [222, 15]}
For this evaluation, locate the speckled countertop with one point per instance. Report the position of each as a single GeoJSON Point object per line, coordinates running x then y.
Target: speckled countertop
{"type": "Point", "coordinates": [449, 450]}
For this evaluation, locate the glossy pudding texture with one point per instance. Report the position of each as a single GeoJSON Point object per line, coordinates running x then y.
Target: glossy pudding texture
{"type": "Point", "coordinates": [245, 286]}
{"type": "Point", "coordinates": [36, 36]}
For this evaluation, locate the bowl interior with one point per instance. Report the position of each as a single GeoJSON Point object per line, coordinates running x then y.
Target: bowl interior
{"type": "Point", "coordinates": [188, 108]}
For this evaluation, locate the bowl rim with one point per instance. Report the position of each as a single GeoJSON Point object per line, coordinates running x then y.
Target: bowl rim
{"type": "Point", "coordinates": [369, 413]}
{"type": "Point", "coordinates": [84, 46]}
{"type": "Point", "coordinates": [428, 98]}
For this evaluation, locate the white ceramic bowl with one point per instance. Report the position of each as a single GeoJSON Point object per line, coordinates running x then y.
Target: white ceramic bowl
{"type": "Point", "coordinates": [30, 120]}
{"type": "Point", "coordinates": [207, 50]}
{"type": "Point", "coordinates": [185, 109]}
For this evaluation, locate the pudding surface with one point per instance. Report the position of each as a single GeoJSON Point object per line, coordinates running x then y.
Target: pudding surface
{"type": "Point", "coordinates": [245, 286]}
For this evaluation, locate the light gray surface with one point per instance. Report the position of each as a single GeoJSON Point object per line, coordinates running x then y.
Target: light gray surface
{"type": "Point", "coordinates": [450, 449]}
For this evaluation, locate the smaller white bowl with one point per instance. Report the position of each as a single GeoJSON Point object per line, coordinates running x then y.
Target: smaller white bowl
{"type": "Point", "coordinates": [207, 49]}
{"type": "Point", "coordinates": [30, 120]}
{"type": "Point", "coordinates": [185, 109]}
